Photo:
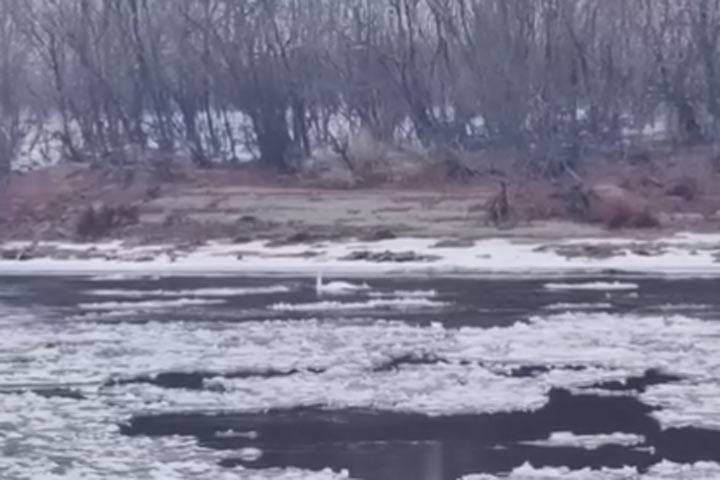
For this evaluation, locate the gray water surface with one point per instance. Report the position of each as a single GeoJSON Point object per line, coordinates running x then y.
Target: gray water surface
{"type": "Point", "coordinates": [372, 444]}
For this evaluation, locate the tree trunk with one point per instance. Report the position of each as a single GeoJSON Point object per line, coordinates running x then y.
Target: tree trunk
{"type": "Point", "coordinates": [273, 140]}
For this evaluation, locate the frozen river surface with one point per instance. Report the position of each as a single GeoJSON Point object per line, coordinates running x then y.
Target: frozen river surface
{"type": "Point", "coordinates": [440, 379]}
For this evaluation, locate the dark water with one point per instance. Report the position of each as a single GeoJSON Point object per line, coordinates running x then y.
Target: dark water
{"type": "Point", "coordinates": [381, 445]}
{"type": "Point", "coordinates": [378, 445]}
{"type": "Point", "coordinates": [475, 302]}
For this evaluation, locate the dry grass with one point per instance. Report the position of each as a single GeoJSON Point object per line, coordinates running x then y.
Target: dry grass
{"type": "Point", "coordinates": [100, 221]}
{"type": "Point", "coordinates": [686, 187]}
{"type": "Point", "coordinates": [671, 180]}
{"type": "Point", "coordinates": [621, 216]}
{"type": "Point", "coordinates": [664, 183]}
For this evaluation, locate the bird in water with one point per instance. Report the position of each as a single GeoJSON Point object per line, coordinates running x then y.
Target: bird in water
{"type": "Point", "coordinates": [337, 288]}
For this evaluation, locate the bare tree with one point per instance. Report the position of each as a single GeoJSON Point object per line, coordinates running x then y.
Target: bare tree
{"type": "Point", "coordinates": [277, 79]}
{"type": "Point", "coordinates": [13, 56]}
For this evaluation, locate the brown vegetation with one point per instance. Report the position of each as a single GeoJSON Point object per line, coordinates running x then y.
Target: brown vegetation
{"type": "Point", "coordinates": [66, 201]}
{"type": "Point", "coordinates": [617, 208]}
{"type": "Point", "coordinates": [624, 215]}
{"type": "Point", "coordinates": [98, 221]}
{"type": "Point", "coordinates": [685, 187]}
{"type": "Point", "coordinates": [548, 99]}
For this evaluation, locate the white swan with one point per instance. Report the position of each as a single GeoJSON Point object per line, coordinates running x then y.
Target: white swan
{"type": "Point", "coordinates": [337, 288]}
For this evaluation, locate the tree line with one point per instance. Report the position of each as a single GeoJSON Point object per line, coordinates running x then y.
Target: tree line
{"type": "Point", "coordinates": [279, 78]}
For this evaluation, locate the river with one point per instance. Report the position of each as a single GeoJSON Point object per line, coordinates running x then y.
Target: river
{"type": "Point", "coordinates": [430, 378]}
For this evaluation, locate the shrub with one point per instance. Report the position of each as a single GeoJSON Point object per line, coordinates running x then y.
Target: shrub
{"type": "Point", "coordinates": [623, 215]}
{"type": "Point", "coordinates": [618, 208]}
{"type": "Point", "coordinates": [99, 221]}
{"type": "Point", "coordinates": [686, 187]}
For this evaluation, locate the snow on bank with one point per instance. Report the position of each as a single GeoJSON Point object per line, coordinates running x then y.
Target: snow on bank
{"type": "Point", "coordinates": [682, 254]}
{"type": "Point", "coordinates": [588, 442]}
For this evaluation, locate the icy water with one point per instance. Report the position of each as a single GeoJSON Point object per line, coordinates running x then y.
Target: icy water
{"type": "Point", "coordinates": [117, 377]}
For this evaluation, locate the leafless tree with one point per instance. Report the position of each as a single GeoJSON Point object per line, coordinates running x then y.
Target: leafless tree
{"type": "Point", "coordinates": [13, 57]}
{"type": "Point", "coordinates": [276, 79]}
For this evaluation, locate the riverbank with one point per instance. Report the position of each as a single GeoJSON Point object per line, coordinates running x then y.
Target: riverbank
{"type": "Point", "coordinates": [181, 204]}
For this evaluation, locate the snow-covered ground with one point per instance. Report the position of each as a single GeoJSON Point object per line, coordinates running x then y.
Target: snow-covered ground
{"type": "Point", "coordinates": [683, 254]}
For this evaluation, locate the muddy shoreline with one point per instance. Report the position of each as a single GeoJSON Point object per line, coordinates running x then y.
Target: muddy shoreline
{"type": "Point", "coordinates": [241, 206]}
{"type": "Point", "coordinates": [65, 216]}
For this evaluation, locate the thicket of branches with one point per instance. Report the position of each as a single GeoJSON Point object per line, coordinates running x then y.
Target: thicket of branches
{"type": "Point", "coordinates": [283, 77]}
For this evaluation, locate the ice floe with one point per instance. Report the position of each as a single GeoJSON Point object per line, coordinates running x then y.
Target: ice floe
{"type": "Point", "coordinates": [198, 292]}
{"type": "Point", "coordinates": [375, 364]}
{"type": "Point", "coordinates": [461, 370]}
{"type": "Point", "coordinates": [686, 404]}
{"type": "Point", "coordinates": [337, 287]}
{"type": "Point", "coordinates": [662, 471]}
{"type": "Point", "coordinates": [405, 294]}
{"type": "Point", "coordinates": [578, 306]}
{"type": "Point", "coordinates": [150, 304]}
{"type": "Point", "coordinates": [375, 304]}
{"type": "Point", "coordinates": [589, 442]}
{"type": "Point", "coordinates": [122, 277]}
{"type": "Point", "coordinates": [602, 286]}
{"type": "Point", "coordinates": [62, 439]}
{"type": "Point", "coordinates": [682, 307]}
